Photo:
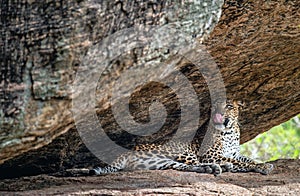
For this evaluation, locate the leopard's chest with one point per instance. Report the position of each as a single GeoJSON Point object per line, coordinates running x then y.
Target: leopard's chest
{"type": "Point", "coordinates": [230, 143]}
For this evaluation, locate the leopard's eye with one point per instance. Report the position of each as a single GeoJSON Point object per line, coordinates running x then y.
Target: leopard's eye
{"type": "Point", "coordinates": [228, 106]}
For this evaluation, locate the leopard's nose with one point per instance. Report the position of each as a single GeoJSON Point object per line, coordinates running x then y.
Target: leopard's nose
{"type": "Point", "coordinates": [226, 121]}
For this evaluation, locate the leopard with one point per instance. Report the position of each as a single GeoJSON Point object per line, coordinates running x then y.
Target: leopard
{"type": "Point", "coordinates": [219, 151]}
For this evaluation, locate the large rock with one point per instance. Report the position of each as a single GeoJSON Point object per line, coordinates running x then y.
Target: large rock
{"type": "Point", "coordinates": [44, 45]}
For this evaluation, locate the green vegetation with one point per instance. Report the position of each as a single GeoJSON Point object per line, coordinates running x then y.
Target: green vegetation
{"type": "Point", "coordinates": [280, 142]}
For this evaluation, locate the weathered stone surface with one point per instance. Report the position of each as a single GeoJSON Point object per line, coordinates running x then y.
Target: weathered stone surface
{"type": "Point", "coordinates": [283, 181]}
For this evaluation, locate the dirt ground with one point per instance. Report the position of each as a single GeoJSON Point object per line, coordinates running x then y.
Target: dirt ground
{"type": "Point", "coordinates": [284, 180]}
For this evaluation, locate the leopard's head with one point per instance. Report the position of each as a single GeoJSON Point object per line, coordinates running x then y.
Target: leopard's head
{"type": "Point", "coordinates": [225, 113]}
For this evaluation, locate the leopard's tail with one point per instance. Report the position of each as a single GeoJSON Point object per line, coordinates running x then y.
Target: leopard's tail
{"type": "Point", "coordinates": [103, 170]}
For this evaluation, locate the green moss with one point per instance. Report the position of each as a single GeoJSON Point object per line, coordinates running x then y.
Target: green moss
{"type": "Point", "coordinates": [280, 142]}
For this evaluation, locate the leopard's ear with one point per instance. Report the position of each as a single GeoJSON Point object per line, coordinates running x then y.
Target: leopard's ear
{"type": "Point", "coordinates": [241, 104]}
{"type": "Point", "coordinates": [238, 103]}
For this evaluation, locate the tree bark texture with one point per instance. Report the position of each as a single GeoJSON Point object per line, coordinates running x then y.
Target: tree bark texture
{"type": "Point", "coordinates": [255, 44]}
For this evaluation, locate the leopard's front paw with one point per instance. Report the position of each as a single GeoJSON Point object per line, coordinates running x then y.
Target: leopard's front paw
{"type": "Point", "coordinates": [217, 170]}
{"type": "Point", "coordinates": [227, 167]}
{"type": "Point", "coordinates": [265, 168]}
{"type": "Point", "coordinates": [214, 169]}
{"type": "Point", "coordinates": [209, 168]}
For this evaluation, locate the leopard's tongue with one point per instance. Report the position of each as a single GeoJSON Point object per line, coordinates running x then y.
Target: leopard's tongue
{"type": "Point", "coordinates": [218, 118]}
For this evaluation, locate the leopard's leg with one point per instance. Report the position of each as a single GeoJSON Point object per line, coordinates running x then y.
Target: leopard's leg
{"type": "Point", "coordinates": [239, 166]}
{"type": "Point", "coordinates": [192, 159]}
{"type": "Point", "coordinates": [263, 168]}
{"type": "Point", "coordinates": [244, 159]}
{"type": "Point", "coordinates": [199, 168]}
